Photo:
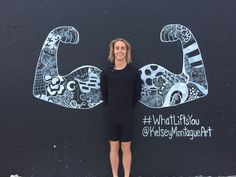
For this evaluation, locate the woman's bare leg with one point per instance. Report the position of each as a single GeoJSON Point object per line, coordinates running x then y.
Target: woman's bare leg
{"type": "Point", "coordinates": [114, 157]}
{"type": "Point", "coordinates": [126, 157]}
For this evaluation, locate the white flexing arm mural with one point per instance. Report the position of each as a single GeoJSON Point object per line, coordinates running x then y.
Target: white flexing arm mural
{"type": "Point", "coordinates": [80, 89]}
{"type": "Point", "coordinates": [162, 88]}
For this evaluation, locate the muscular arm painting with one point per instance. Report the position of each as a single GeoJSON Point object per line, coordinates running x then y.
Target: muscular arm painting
{"type": "Point", "coordinates": [80, 89]}
{"type": "Point", "coordinates": [162, 88]}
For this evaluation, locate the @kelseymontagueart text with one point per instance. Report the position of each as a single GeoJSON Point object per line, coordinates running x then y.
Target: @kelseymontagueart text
{"type": "Point", "coordinates": [174, 126]}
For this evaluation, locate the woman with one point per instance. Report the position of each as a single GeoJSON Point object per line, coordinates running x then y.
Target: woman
{"type": "Point", "coordinates": [120, 88]}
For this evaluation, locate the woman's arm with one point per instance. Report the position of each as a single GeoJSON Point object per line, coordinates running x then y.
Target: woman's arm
{"type": "Point", "coordinates": [103, 84]}
{"type": "Point", "coordinates": [137, 88]}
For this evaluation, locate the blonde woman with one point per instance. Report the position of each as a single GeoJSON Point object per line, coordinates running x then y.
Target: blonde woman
{"type": "Point", "coordinates": [120, 88]}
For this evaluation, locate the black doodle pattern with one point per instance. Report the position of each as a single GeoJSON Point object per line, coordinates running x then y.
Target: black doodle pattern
{"type": "Point", "coordinates": [162, 88]}
{"type": "Point", "coordinates": [80, 89]}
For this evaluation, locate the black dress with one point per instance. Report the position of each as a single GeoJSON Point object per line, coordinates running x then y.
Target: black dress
{"type": "Point", "coordinates": [120, 90]}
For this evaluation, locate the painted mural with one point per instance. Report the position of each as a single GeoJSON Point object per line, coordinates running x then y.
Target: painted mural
{"type": "Point", "coordinates": [80, 89]}
{"type": "Point", "coordinates": [161, 87]}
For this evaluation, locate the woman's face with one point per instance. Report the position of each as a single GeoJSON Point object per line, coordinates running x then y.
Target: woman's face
{"type": "Point", "coordinates": [120, 51]}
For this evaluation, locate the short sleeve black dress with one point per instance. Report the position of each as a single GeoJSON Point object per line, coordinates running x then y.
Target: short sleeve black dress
{"type": "Point", "coordinates": [120, 90]}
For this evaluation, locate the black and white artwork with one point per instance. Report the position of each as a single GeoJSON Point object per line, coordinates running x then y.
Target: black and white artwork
{"type": "Point", "coordinates": [161, 87]}
{"type": "Point", "coordinates": [80, 89]}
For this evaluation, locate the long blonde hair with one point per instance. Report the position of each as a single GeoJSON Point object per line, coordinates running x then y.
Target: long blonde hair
{"type": "Point", "coordinates": [111, 56]}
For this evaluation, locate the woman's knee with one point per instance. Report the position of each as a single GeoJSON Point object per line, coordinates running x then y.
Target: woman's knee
{"type": "Point", "coordinates": [126, 147]}
{"type": "Point", "coordinates": [114, 146]}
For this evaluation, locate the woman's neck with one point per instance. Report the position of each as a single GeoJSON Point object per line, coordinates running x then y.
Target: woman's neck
{"type": "Point", "coordinates": [120, 64]}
